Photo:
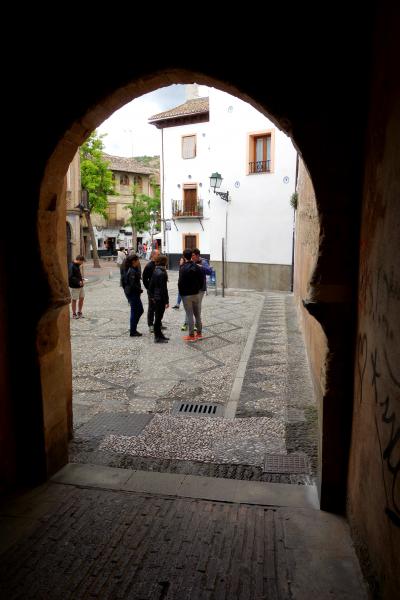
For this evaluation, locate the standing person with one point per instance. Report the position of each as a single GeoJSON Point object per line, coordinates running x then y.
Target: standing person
{"type": "Point", "coordinates": [158, 296]}
{"type": "Point", "coordinates": [206, 270]}
{"type": "Point", "coordinates": [121, 255]}
{"type": "Point", "coordinates": [147, 275]}
{"type": "Point", "coordinates": [178, 298]}
{"type": "Point", "coordinates": [130, 280]}
{"type": "Point", "coordinates": [76, 283]}
{"type": "Point", "coordinates": [190, 283]}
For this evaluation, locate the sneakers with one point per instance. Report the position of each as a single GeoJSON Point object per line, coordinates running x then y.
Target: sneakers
{"type": "Point", "coordinates": [198, 335]}
{"type": "Point", "coordinates": [135, 334]}
{"type": "Point", "coordinates": [80, 316]}
{"type": "Point", "coordinates": [161, 340]}
{"type": "Point", "coordinates": [185, 327]}
{"type": "Point", "coordinates": [75, 316]}
{"type": "Point", "coordinates": [189, 338]}
{"type": "Point", "coordinates": [176, 306]}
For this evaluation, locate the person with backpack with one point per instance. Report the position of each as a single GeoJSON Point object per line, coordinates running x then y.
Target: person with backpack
{"type": "Point", "coordinates": [130, 282]}
{"type": "Point", "coordinates": [76, 286]}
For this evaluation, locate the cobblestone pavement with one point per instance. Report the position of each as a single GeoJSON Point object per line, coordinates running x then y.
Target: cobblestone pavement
{"type": "Point", "coordinates": [96, 543]}
{"type": "Point", "coordinates": [115, 376]}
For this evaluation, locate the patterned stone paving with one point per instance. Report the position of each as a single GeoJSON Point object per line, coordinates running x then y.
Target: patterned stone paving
{"type": "Point", "coordinates": [114, 373]}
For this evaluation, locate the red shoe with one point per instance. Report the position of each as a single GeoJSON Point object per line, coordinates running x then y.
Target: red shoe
{"type": "Point", "coordinates": [189, 338]}
{"type": "Point", "coordinates": [199, 336]}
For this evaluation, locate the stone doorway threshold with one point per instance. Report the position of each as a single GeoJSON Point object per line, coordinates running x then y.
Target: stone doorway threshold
{"type": "Point", "coordinates": [189, 486]}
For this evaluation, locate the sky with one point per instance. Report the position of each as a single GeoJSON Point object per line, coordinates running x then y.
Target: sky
{"type": "Point", "coordinates": [128, 132]}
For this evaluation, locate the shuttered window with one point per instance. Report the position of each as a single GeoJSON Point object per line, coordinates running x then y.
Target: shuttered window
{"type": "Point", "coordinates": [189, 146]}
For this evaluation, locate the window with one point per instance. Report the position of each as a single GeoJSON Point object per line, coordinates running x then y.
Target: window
{"type": "Point", "coordinates": [190, 240]}
{"type": "Point", "coordinates": [112, 212]}
{"type": "Point", "coordinates": [124, 179]}
{"type": "Point", "coordinates": [260, 153]}
{"type": "Point", "coordinates": [138, 182]}
{"type": "Point", "coordinates": [189, 146]}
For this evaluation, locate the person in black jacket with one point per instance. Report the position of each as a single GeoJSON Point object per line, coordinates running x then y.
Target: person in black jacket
{"type": "Point", "coordinates": [76, 283]}
{"type": "Point", "coordinates": [190, 282]}
{"type": "Point", "coordinates": [130, 281]}
{"type": "Point", "coordinates": [158, 296]}
{"type": "Point", "coordinates": [147, 275]}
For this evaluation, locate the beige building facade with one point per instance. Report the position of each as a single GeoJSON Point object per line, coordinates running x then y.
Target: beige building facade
{"type": "Point", "coordinates": [127, 172]}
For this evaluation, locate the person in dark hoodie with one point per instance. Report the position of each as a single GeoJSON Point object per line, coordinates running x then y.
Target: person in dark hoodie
{"type": "Point", "coordinates": [190, 282]}
{"type": "Point", "coordinates": [158, 296]}
{"type": "Point", "coordinates": [76, 283]}
{"type": "Point", "coordinates": [130, 281]}
{"type": "Point", "coordinates": [147, 275]}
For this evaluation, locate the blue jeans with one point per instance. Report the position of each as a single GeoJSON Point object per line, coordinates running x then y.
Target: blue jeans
{"type": "Point", "coordinates": [178, 299]}
{"type": "Point", "coordinates": [136, 311]}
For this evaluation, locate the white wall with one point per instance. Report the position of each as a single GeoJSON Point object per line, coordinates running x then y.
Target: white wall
{"type": "Point", "coordinates": [186, 171]}
{"type": "Point", "coordinates": [260, 218]}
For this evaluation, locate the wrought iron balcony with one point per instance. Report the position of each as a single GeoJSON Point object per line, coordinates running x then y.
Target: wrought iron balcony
{"type": "Point", "coordinates": [260, 166]}
{"type": "Point", "coordinates": [187, 210]}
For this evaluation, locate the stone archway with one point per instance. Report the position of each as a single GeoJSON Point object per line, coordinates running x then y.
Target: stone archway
{"type": "Point", "coordinates": [329, 291]}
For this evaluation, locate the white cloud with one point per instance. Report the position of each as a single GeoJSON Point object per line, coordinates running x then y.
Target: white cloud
{"type": "Point", "coordinates": [128, 131]}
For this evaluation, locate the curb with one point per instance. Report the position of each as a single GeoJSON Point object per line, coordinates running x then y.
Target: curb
{"type": "Point", "coordinates": [231, 406]}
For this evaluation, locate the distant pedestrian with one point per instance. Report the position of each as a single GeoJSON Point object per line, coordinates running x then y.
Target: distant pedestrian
{"type": "Point", "coordinates": [130, 281]}
{"type": "Point", "coordinates": [76, 285]}
{"type": "Point", "coordinates": [121, 255]}
{"type": "Point", "coordinates": [158, 296]}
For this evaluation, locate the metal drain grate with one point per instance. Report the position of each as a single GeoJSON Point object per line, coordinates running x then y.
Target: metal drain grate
{"type": "Point", "coordinates": [103, 424]}
{"type": "Point", "coordinates": [286, 463]}
{"type": "Point", "coordinates": [193, 409]}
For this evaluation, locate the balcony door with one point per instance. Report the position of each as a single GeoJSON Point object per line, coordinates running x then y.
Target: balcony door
{"type": "Point", "coordinates": [189, 199]}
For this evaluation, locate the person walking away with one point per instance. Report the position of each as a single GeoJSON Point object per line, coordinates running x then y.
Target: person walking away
{"type": "Point", "coordinates": [190, 283]}
{"type": "Point", "coordinates": [121, 255]}
{"type": "Point", "coordinates": [158, 296]}
{"type": "Point", "coordinates": [130, 280]}
{"type": "Point", "coordinates": [76, 286]}
{"type": "Point", "coordinates": [147, 275]}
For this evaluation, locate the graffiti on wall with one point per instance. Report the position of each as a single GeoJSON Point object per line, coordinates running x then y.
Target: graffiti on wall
{"type": "Point", "coordinates": [379, 378]}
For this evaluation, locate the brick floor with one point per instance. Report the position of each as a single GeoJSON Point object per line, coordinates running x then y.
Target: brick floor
{"type": "Point", "coordinates": [112, 544]}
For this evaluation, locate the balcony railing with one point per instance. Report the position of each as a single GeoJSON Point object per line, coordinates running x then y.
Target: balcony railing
{"type": "Point", "coordinates": [115, 223]}
{"type": "Point", "coordinates": [260, 166]}
{"type": "Point", "coordinates": [186, 210]}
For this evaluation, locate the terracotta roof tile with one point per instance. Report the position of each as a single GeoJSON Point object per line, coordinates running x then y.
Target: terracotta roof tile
{"type": "Point", "coordinates": [128, 165]}
{"type": "Point", "coordinates": [191, 107]}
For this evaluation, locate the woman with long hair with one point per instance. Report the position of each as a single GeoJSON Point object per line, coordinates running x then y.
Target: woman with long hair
{"type": "Point", "coordinates": [130, 281]}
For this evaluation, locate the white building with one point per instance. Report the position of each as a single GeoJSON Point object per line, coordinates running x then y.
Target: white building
{"type": "Point", "coordinates": [257, 161]}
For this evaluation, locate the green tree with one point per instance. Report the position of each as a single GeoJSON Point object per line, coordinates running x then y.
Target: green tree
{"type": "Point", "coordinates": [96, 179]}
{"type": "Point", "coordinates": [145, 212]}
